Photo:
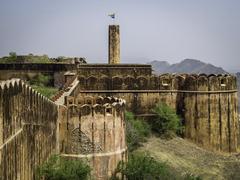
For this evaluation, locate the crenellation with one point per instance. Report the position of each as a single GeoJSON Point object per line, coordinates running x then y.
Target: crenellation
{"type": "Point", "coordinates": [21, 132]}
{"type": "Point", "coordinates": [90, 122]}
{"type": "Point", "coordinates": [100, 125]}
{"type": "Point", "coordinates": [198, 98]}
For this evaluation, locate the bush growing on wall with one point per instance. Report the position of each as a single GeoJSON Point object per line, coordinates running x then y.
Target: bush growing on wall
{"type": "Point", "coordinates": [136, 131]}
{"type": "Point", "coordinates": [166, 123]}
{"type": "Point", "coordinates": [59, 168]}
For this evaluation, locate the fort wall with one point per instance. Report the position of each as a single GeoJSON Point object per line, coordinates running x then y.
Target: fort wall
{"type": "Point", "coordinates": [207, 104]}
{"type": "Point", "coordinates": [111, 70]}
{"type": "Point", "coordinates": [28, 123]}
{"type": "Point", "coordinates": [27, 71]}
{"type": "Point", "coordinates": [93, 129]}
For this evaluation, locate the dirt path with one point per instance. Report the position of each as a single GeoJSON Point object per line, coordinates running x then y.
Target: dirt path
{"type": "Point", "coordinates": [185, 157]}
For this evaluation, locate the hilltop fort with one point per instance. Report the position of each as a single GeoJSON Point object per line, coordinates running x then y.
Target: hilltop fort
{"type": "Point", "coordinates": [85, 119]}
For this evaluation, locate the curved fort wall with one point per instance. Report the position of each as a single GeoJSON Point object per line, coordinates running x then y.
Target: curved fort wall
{"type": "Point", "coordinates": [208, 104]}
{"type": "Point", "coordinates": [27, 130]}
{"type": "Point", "coordinates": [94, 128]}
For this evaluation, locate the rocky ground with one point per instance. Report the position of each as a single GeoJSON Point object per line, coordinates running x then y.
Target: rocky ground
{"type": "Point", "coordinates": [185, 157]}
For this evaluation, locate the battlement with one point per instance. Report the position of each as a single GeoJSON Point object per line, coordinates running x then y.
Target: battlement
{"type": "Point", "coordinates": [207, 103]}
{"type": "Point", "coordinates": [111, 70]}
{"type": "Point", "coordinates": [88, 105]}
{"type": "Point", "coordinates": [43, 67]}
{"type": "Point", "coordinates": [93, 127]}
{"type": "Point", "coordinates": [188, 82]}
{"type": "Point", "coordinates": [28, 123]}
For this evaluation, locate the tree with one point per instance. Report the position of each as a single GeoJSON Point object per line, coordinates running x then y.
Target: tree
{"type": "Point", "coordinates": [12, 56]}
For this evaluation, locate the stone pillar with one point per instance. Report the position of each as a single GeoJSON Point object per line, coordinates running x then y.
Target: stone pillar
{"type": "Point", "coordinates": [113, 44]}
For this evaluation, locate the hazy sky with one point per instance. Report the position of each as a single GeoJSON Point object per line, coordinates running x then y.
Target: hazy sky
{"type": "Point", "coordinates": [172, 30]}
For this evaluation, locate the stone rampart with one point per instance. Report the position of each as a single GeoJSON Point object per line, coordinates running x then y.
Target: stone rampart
{"type": "Point", "coordinates": [111, 70]}
{"type": "Point", "coordinates": [28, 71]}
{"type": "Point", "coordinates": [28, 123]}
{"type": "Point", "coordinates": [208, 104]}
{"type": "Point", "coordinates": [94, 129]}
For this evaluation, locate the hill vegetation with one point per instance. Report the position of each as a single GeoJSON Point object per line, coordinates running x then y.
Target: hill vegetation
{"type": "Point", "coordinates": [42, 84]}
{"type": "Point", "coordinates": [141, 165]}
{"type": "Point", "coordinates": [186, 158]}
{"type": "Point", "coordinates": [157, 157]}
{"type": "Point", "coordinates": [30, 58]}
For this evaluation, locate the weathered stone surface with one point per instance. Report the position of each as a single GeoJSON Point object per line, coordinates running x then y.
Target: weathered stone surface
{"type": "Point", "coordinates": [114, 44]}
{"type": "Point", "coordinates": [27, 130]}
{"type": "Point", "coordinates": [96, 131]}
{"type": "Point", "coordinates": [207, 104]}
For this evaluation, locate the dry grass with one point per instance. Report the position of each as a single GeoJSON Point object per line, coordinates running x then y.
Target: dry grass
{"type": "Point", "coordinates": [185, 157]}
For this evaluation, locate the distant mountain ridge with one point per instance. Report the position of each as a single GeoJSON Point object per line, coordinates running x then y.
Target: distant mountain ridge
{"type": "Point", "coordinates": [186, 66]}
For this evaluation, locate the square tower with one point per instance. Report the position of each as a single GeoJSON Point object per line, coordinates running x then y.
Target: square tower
{"type": "Point", "coordinates": [113, 44]}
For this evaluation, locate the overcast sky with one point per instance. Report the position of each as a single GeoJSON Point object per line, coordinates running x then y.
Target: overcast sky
{"type": "Point", "coordinates": [172, 30]}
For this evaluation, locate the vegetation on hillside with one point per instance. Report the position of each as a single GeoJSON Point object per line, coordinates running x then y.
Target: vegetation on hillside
{"type": "Point", "coordinates": [45, 90]}
{"type": "Point", "coordinates": [30, 58]}
{"type": "Point", "coordinates": [166, 123]}
{"type": "Point", "coordinates": [40, 59]}
{"type": "Point", "coordinates": [142, 166]}
{"type": "Point", "coordinates": [136, 131]}
{"type": "Point", "coordinates": [41, 83]}
{"type": "Point", "coordinates": [60, 168]}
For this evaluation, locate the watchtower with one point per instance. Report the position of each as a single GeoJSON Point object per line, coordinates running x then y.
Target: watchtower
{"type": "Point", "coordinates": [113, 44]}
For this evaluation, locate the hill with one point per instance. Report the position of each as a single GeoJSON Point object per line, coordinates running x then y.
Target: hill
{"type": "Point", "coordinates": [185, 157]}
{"type": "Point", "coordinates": [186, 66]}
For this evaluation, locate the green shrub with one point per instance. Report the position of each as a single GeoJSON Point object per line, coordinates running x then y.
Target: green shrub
{"type": "Point", "coordinates": [136, 131]}
{"type": "Point", "coordinates": [44, 90]}
{"type": "Point", "coordinates": [30, 58]}
{"type": "Point", "coordinates": [12, 56]}
{"type": "Point", "coordinates": [40, 80]}
{"type": "Point", "coordinates": [166, 123]}
{"type": "Point", "coordinates": [37, 59]}
{"type": "Point", "coordinates": [60, 168]}
{"type": "Point", "coordinates": [141, 166]}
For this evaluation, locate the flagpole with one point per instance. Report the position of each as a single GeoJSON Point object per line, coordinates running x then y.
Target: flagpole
{"type": "Point", "coordinates": [113, 18]}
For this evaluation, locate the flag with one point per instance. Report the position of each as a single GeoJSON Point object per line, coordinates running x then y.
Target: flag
{"type": "Point", "coordinates": [112, 15]}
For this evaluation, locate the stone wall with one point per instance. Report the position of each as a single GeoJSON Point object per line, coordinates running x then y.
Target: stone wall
{"type": "Point", "coordinates": [28, 71]}
{"type": "Point", "coordinates": [28, 123]}
{"type": "Point", "coordinates": [207, 104]}
{"type": "Point", "coordinates": [111, 70]}
{"type": "Point", "coordinates": [93, 129]}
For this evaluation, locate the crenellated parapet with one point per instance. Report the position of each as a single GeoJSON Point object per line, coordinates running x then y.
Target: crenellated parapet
{"type": "Point", "coordinates": [162, 82]}
{"type": "Point", "coordinates": [94, 127]}
{"type": "Point", "coordinates": [207, 103]}
{"type": "Point", "coordinates": [28, 123]}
